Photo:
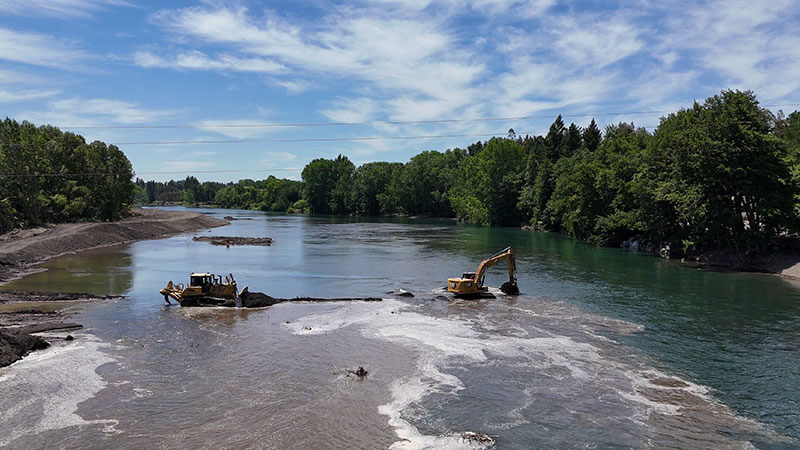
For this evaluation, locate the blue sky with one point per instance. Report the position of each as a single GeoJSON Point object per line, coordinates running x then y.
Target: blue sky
{"type": "Point", "coordinates": [219, 71]}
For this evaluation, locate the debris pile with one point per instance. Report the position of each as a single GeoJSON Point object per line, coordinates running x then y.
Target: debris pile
{"type": "Point", "coordinates": [248, 299]}
{"type": "Point", "coordinates": [478, 438]}
{"type": "Point", "coordinates": [359, 373]}
{"type": "Point", "coordinates": [234, 240]}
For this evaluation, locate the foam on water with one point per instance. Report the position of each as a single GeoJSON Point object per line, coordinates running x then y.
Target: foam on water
{"type": "Point", "coordinates": [42, 391]}
{"type": "Point", "coordinates": [637, 390]}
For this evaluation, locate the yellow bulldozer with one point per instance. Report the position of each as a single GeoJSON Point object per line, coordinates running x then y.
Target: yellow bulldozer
{"type": "Point", "coordinates": [470, 284]}
{"type": "Point", "coordinates": [203, 288]}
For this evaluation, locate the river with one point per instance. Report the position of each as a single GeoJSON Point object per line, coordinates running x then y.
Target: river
{"type": "Point", "coordinates": [604, 347]}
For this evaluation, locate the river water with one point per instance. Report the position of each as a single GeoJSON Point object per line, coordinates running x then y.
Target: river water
{"type": "Point", "coordinates": [604, 347]}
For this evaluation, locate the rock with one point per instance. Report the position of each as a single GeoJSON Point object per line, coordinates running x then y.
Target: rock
{"type": "Point", "coordinates": [479, 438]}
{"type": "Point", "coordinates": [359, 373]}
{"type": "Point", "coordinates": [69, 337]}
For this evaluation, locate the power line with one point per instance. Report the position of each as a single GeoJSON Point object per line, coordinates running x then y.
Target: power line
{"type": "Point", "coordinates": [378, 122]}
{"type": "Point", "coordinates": [301, 140]}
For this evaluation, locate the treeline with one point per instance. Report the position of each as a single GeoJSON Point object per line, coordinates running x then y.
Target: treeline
{"type": "Point", "coordinates": [49, 176]}
{"type": "Point", "coordinates": [725, 173]}
{"type": "Point", "coordinates": [272, 194]}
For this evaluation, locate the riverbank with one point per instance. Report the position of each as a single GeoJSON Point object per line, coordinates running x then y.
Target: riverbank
{"type": "Point", "coordinates": [21, 250]}
{"type": "Point", "coordinates": [25, 314]}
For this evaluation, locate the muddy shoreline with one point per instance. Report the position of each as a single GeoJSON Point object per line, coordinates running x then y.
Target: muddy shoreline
{"type": "Point", "coordinates": [25, 314]}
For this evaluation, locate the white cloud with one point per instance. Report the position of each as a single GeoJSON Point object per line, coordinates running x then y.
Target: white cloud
{"type": "Point", "coordinates": [197, 60]}
{"type": "Point", "coordinates": [240, 129]}
{"type": "Point", "coordinates": [78, 112]}
{"type": "Point", "coordinates": [24, 95]}
{"type": "Point", "coordinates": [39, 49]}
{"type": "Point", "coordinates": [414, 57]}
{"type": "Point", "coordinates": [598, 42]}
{"type": "Point", "coordinates": [57, 8]}
{"type": "Point", "coordinates": [748, 45]}
{"type": "Point", "coordinates": [351, 110]}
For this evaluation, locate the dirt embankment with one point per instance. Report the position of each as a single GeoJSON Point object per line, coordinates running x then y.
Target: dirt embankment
{"type": "Point", "coordinates": [21, 249]}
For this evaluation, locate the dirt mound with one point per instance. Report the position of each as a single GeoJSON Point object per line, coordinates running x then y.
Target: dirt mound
{"type": "Point", "coordinates": [20, 249]}
{"type": "Point", "coordinates": [14, 346]}
{"type": "Point", "coordinates": [234, 240]}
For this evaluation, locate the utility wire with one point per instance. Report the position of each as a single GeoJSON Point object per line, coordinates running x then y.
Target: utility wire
{"type": "Point", "coordinates": [300, 140]}
{"type": "Point", "coordinates": [377, 123]}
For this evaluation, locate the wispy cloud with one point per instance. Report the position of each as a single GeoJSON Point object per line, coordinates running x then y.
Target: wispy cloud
{"type": "Point", "coordinates": [197, 60]}
{"type": "Point", "coordinates": [24, 95]}
{"type": "Point", "coordinates": [351, 110]}
{"type": "Point", "coordinates": [39, 50]}
{"type": "Point", "coordinates": [97, 111]}
{"type": "Point", "coordinates": [57, 8]}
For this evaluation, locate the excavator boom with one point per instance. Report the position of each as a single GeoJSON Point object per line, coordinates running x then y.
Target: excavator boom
{"type": "Point", "coordinates": [472, 284]}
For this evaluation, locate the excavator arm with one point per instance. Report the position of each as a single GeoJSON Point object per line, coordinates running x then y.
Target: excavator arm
{"type": "Point", "coordinates": [505, 254]}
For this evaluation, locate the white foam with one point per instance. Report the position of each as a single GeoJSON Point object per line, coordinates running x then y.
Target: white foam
{"type": "Point", "coordinates": [60, 378]}
{"type": "Point", "coordinates": [444, 341]}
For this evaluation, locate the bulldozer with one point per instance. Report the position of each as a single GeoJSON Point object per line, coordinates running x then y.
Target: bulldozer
{"type": "Point", "coordinates": [203, 288]}
{"type": "Point", "coordinates": [470, 284]}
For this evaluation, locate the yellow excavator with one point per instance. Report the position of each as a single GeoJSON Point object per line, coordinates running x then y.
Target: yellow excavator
{"type": "Point", "coordinates": [471, 283]}
{"type": "Point", "coordinates": [203, 288]}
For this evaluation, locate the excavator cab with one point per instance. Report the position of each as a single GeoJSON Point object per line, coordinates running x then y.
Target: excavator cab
{"type": "Point", "coordinates": [471, 283]}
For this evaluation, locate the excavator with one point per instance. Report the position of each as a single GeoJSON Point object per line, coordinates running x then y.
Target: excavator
{"type": "Point", "coordinates": [471, 283]}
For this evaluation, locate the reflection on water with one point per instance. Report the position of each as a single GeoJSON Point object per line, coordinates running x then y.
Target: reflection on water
{"type": "Point", "coordinates": [107, 271]}
{"type": "Point", "coordinates": [604, 347]}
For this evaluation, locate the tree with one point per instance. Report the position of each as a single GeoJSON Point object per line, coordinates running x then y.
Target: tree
{"type": "Point", "coordinates": [328, 185]}
{"type": "Point", "coordinates": [724, 172]}
{"type": "Point", "coordinates": [488, 184]}
{"type": "Point", "coordinates": [592, 136]}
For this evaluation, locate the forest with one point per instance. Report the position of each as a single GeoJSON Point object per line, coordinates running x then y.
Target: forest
{"type": "Point", "coordinates": [721, 174]}
{"type": "Point", "coordinates": [724, 173]}
{"type": "Point", "coordinates": [49, 176]}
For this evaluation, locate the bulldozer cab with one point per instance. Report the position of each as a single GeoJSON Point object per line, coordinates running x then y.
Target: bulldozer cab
{"type": "Point", "coordinates": [468, 275]}
{"type": "Point", "coordinates": [201, 280]}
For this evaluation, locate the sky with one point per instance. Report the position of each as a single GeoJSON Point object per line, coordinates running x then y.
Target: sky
{"type": "Point", "coordinates": [225, 90]}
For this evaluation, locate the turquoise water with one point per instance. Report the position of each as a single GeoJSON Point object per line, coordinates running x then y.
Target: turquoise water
{"type": "Point", "coordinates": [603, 347]}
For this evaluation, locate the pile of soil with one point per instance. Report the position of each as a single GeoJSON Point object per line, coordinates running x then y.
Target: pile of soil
{"type": "Point", "coordinates": [20, 249]}
{"type": "Point", "coordinates": [14, 346]}
{"type": "Point", "coordinates": [234, 240]}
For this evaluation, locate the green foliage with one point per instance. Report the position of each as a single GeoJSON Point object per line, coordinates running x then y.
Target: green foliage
{"type": "Point", "coordinates": [329, 185]}
{"type": "Point", "coordinates": [724, 171]}
{"type": "Point", "coordinates": [425, 181]}
{"type": "Point", "coordinates": [51, 176]}
{"type": "Point", "coordinates": [373, 192]}
{"type": "Point", "coordinates": [489, 184]}
{"type": "Point", "coordinates": [299, 207]}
